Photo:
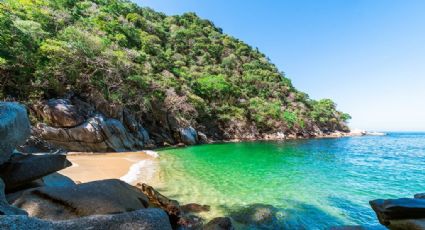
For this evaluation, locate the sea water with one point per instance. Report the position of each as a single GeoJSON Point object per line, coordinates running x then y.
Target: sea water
{"type": "Point", "coordinates": [304, 184]}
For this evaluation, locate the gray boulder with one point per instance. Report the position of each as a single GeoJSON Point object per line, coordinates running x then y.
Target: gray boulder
{"type": "Point", "coordinates": [188, 135]}
{"type": "Point", "coordinates": [398, 209]}
{"type": "Point", "coordinates": [93, 198]}
{"type": "Point", "coordinates": [14, 128]}
{"type": "Point", "coordinates": [5, 208]}
{"type": "Point", "coordinates": [97, 134]}
{"type": "Point", "coordinates": [144, 219]}
{"type": "Point", "coordinates": [22, 169]}
{"type": "Point", "coordinates": [59, 113]}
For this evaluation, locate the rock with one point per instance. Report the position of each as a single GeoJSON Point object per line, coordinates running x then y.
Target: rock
{"type": "Point", "coordinates": [97, 134]}
{"type": "Point", "coordinates": [146, 219]}
{"type": "Point", "coordinates": [219, 223]}
{"type": "Point", "coordinates": [193, 207]}
{"type": "Point", "coordinates": [419, 196]}
{"type": "Point", "coordinates": [14, 128]}
{"type": "Point", "coordinates": [357, 132]}
{"type": "Point", "coordinates": [256, 214]}
{"type": "Point", "coordinates": [190, 222]}
{"type": "Point", "coordinates": [38, 145]}
{"type": "Point", "coordinates": [409, 224]}
{"type": "Point", "coordinates": [58, 113]}
{"type": "Point", "coordinates": [57, 180]}
{"type": "Point", "coordinates": [93, 198]}
{"type": "Point", "coordinates": [396, 209]}
{"type": "Point", "coordinates": [203, 139]}
{"type": "Point", "coordinates": [5, 208]}
{"type": "Point", "coordinates": [22, 169]}
{"type": "Point", "coordinates": [188, 135]}
{"type": "Point", "coordinates": [180, 145]}
{"type": "Point", "coordinates": [156, 199]}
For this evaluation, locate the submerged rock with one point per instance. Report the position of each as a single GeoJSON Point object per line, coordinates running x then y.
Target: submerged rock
{"type": "Point", "coordinates": [193, 207]}
{"type": "Point", "coordinates": [93, 198]}
{"type": "Point", "coordinates": [190, 222]}
{"type": "Point", "coordinates": [146, 219]}
{"type": "Point", "coordinates": [219, 223]}
{"type": "Point", "coordinates": [22, 169]}
{"type": "Point", "coordinates": [5, 208]}
{"type": "Point", "coordinates": [258, 215]}
{"type": "Point", "coordinates": [419, 196]}
{"type": "Point", "coordinates": [14, 128]}
{"type": "Point", "coordinates": [397, 209]}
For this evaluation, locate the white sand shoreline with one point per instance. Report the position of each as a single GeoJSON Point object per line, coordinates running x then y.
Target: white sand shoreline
{"type": "Point", "coordinates": [131, 167]}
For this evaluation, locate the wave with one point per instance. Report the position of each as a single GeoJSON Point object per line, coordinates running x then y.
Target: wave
{"type": "Point", "coordinates": [143, 169]}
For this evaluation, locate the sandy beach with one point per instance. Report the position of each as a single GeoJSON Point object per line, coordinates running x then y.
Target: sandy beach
{"type": "Point", "coordinates": [94, 166]}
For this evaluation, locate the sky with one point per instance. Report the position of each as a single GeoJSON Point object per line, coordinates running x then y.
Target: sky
{"type": "Point", "coordinates": [366, 55]}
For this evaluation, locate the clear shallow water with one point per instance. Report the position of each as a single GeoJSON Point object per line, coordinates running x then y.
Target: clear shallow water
{"type": "Point", "coordinates": [310, 184]}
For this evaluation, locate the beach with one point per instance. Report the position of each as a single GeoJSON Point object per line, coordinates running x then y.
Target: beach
{"type": "Point", "coordinates": [126, 166]}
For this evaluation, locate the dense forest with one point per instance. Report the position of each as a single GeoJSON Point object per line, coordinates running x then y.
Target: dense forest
{"type": "Point", "coordinates": [152, 64]}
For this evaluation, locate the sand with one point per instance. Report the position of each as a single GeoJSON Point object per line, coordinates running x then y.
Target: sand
{"type": "Point", "coordinates": [89, 167]}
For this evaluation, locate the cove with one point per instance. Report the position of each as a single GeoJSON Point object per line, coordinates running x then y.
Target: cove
{"type": "Point", "coordinates": [304, 184]}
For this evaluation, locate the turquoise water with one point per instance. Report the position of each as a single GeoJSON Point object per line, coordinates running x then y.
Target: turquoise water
{"type": "Point", "coordinates": [308, 184]}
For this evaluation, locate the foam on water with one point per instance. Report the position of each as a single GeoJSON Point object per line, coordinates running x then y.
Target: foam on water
{"type": "Point", "coordinates": [142, 170]}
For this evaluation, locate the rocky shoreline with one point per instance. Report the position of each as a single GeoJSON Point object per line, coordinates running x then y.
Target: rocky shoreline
{"type": "Point", "coordinates": [34, 196]}
{"type": "Point", "coordinates": [72, 124]}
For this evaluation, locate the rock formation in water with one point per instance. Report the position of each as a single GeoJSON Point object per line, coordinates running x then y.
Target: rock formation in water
{"type": "Point", "coordinates": [402, 213]}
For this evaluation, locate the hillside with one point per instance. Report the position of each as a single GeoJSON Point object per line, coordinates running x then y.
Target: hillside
{"type": "Point", "coordinates": [168, 72]}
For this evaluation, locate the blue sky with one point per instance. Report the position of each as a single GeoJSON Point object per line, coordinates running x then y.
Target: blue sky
{"type": "Point", "coordinates": [366, 55]}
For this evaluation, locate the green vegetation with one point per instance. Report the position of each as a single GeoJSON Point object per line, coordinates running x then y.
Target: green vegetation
{"type": "Point", "coordinates": [139, 58]}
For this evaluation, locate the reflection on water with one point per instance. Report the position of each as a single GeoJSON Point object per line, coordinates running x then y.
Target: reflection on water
{"type": "Point", "coordinates": [307, 184]}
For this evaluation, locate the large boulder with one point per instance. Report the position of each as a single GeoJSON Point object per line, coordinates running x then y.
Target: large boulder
{"type": "Point", "coordinates": [97, 134]}
{"type": "Point", "coordinates": [93, 198]}
{"type": "Point", "coordinates": [22, 169]}
{"type": "Point", "coordinates": [5, 208]}
{"type": "Point", "coordinates": [59, 113]}
{"type": "Point", "coordinates": [188, 135]}
{"type": "Point", "coordinates": [75, 125]}
{"type": "Point", "coordinates": [14, 128]}
{"type": "Point", "coordinates": [144, 219]}
{"type": "Point", "coordinates": [398, 209]}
